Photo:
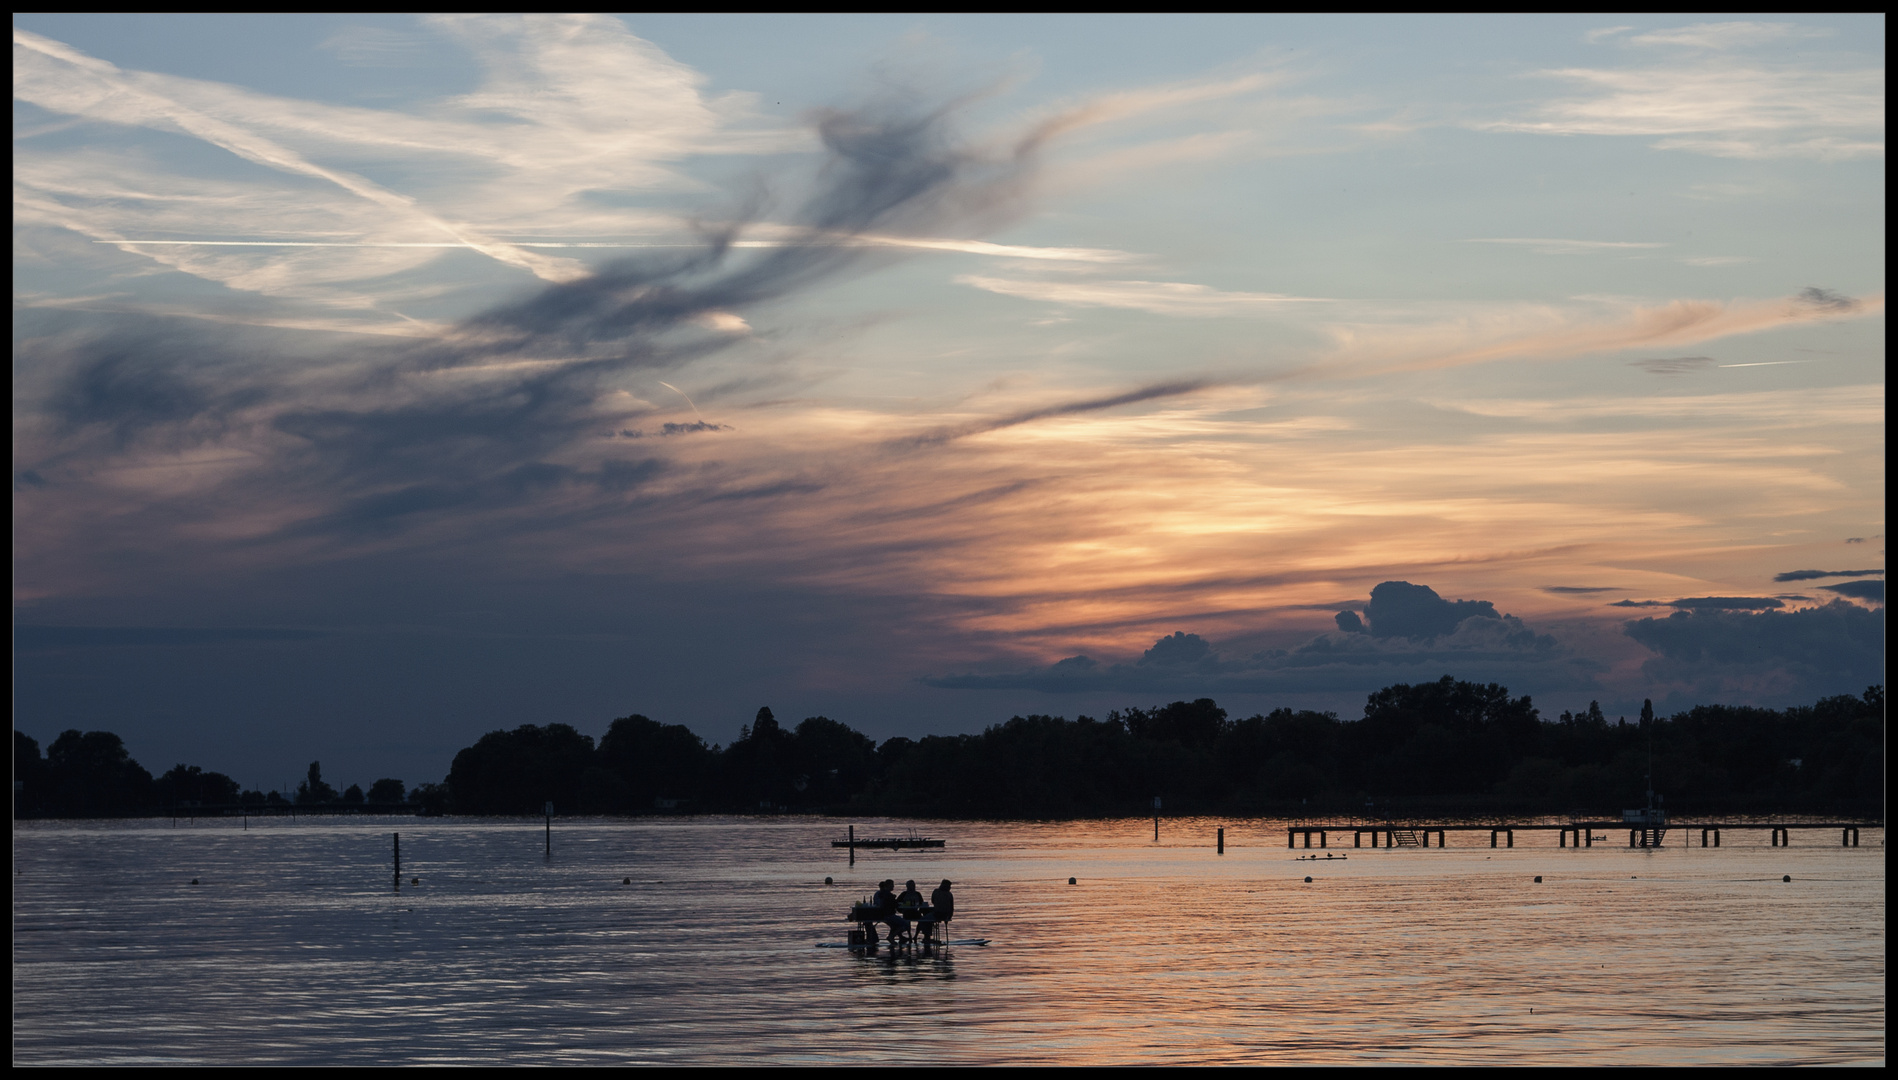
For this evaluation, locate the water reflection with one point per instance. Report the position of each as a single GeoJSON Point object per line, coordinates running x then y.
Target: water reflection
{"type": "Point", "coordinates": [693, 940]}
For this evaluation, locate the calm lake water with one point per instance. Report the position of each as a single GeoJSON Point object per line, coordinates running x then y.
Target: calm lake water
{"type": "Point", "coordinates": [296, 948]}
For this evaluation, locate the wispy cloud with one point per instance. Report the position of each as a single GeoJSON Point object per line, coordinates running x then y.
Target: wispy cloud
{"type": "Point", "coordinates": [1676, 365]}
{"type": "Point", "coordinates": [1548, 246]}
{"type": "Point", "coordinates": [1729, 35]}
{"type": "Point", "coordinates": [1158, 297]}
{"type": "Point", "coordinates": [1714, 99]}
{"type": "Point", "coordinates": [1549, 332]}
{"type": "Point", "coordinates": [583, 106]}
{"type": "Point", "coordinates": [921, 243]}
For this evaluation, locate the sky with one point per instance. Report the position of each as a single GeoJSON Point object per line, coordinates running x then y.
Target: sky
{"type": "Point", "coordinates": [383, 381]}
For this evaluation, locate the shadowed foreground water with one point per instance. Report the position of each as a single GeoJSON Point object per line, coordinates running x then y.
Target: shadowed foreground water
{"type": "Point", "coordinates": [296, 949]}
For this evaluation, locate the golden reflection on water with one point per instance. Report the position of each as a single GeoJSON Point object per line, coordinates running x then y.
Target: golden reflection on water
{"type": "Point", "coordinates": [300, 947]}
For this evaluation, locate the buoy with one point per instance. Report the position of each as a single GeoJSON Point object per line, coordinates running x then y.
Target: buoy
{"type": "Point", "coordinates": [629, 881]}
{"type": "Point", "coordinates": [1071, 880]}
{"type": "Point", "coordinates": [1788, 877]}
{"type": "Point", "coordinates": [194, 881]}
{"type": "Point", "coordinates": [415, 881]}
{"type": "Point", "coordinates": [827, 881]}
{"type": "Point", "coordinates": [1308, 881]}
{"type": "Point", "coordinates": [1538, 879]}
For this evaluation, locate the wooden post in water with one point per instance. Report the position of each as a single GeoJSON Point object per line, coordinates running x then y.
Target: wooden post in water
{"type": "Point", "coordinates": [853, 845]}
{"type": "Point", "coordinates": [1222, 841]}
{"type": "Point", "coordinates": [549, 809]}
{"type": "Point", "coordinates": [1156, 819]}
{"type": "Point", "coordinates": [398, 858]}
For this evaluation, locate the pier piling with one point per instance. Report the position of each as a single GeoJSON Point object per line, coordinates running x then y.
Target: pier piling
{"type": "Point", "coordinates": [1222, 841]}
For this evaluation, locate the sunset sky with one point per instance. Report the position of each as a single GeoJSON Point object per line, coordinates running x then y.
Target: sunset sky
{"type": "Point", "coordinates": [382, 381]}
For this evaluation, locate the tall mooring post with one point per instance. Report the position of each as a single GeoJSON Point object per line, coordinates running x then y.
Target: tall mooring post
{"type": "Point", "coordinates": [1156, 819]}
{"type": "Point", "coordinates": [549, 811]}
{"type": "Point", "coordinates": [398, 861]}
{"type": "Point", "coordinates": [1222, 841]}
{"type": "Point", "coordinates": [853, 845]}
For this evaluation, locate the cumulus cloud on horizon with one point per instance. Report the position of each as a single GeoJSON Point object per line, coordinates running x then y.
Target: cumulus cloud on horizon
{"type": "Point", "coordinates": [1712, 655]}
{"type": "Point", "coordinates": [1412, 633]}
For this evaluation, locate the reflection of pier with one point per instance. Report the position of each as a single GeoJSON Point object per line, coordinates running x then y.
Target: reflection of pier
{"type": "Point", "coordinates": [1582, 833]}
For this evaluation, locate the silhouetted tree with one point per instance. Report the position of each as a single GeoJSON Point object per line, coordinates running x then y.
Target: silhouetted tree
{"type": "Point", "coordinates": [519, 771]}
{"type": "Point", "coordinates": [1196, 723]}
{"type": "Point", "coordinates": [386, 791]}
{"type": "Point", "coordinates": [760, 767]}
{"type": "Point", "coordinates": [653, 761]}
{"type": "Point", "coordinates": [831, 763]}
{"type": "Point", "coordinates": [187, 784]}
{"type": "Point", "coordinates": [91, 775]}
{"type": "Point", "coordinates": [353, 794]}
{"type": "Point", "coordinates": [1443, 738]}
{"type": "Point", "coordinates": [313, 790]}
{"type": "Point", "coordinates": [433, 799]}
{"type": "Point", "coordinates": [29, 775]}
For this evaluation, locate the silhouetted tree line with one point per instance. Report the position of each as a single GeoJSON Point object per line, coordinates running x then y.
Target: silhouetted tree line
{"type": "Point", "coordinates": [1445, 746]}
{"type": "Point", "coordinates": [91, 774]}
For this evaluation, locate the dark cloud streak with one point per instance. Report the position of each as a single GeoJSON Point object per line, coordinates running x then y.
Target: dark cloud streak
{"type": "Point", "coordinates": [487, 420]}
{"type": "Point", "coordinates": [1172, 388]}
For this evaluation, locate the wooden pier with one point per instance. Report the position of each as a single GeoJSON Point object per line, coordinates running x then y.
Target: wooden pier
{"type": "Point", "coordinates": [1582, 833]}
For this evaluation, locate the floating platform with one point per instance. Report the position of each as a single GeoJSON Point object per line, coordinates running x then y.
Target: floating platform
{"type": "Point", "coordinates": [891, 843]}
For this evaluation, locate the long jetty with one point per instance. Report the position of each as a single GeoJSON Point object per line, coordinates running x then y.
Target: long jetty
{"type": "Point", "coordinates": [1582, 833]}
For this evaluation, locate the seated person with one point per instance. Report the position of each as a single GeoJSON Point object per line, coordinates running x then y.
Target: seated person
{"type": "Point", "coordinates": [910, 900]}
{"type": "Point", "coordinates": [942, 908]}
{"type": "Point", "coordinates": [885, 905]}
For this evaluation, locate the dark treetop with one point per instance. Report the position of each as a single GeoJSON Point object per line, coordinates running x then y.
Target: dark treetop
{"type": "Point", "coordinates": [1445, 746]}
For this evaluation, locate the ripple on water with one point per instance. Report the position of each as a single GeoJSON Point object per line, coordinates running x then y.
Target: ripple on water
{"type": "Point", "coordinates": [299, 948]}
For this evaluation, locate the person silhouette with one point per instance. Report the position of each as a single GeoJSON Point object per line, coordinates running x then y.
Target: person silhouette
{"type": "Point", "coordinates": [884, 904]}
{"type": "Point", "coordinates": [942, 908]}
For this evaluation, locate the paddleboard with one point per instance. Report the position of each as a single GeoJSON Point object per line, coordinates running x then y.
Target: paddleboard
{"type": "Point", "coordinates": [969, 941]}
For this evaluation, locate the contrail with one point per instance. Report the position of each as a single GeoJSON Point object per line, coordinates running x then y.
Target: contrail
{"type": "Point", "coordinates": [968, 247]}
{"type": "Point", "coordinates": [681, 393]}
